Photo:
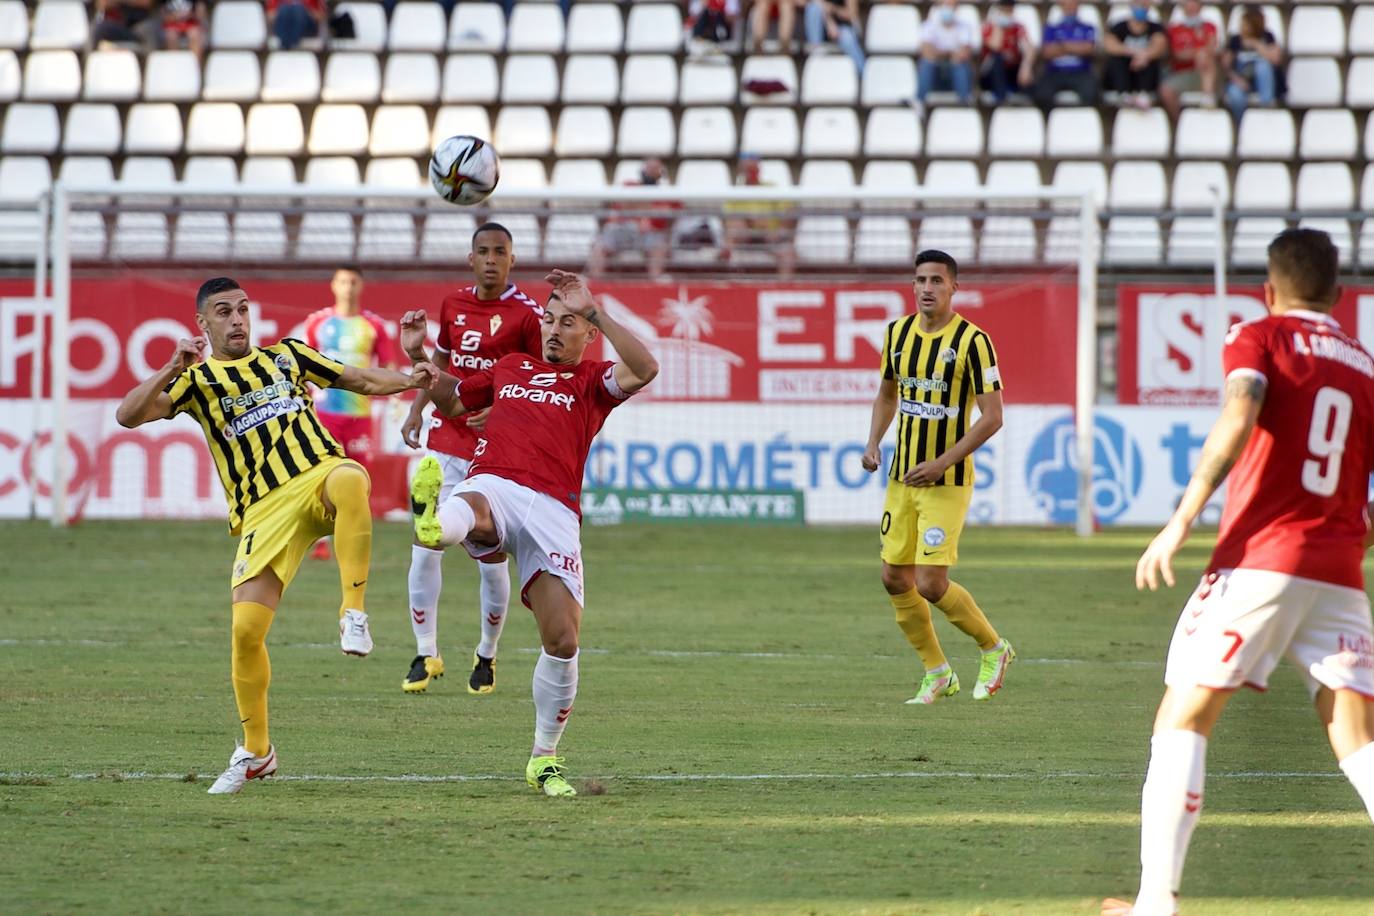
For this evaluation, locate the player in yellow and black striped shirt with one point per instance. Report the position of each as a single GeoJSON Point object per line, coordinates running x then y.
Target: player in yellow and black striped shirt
{"type": "Point", "coordinates": [285, 479]}
{"type": "Point", "coordinates": [936, 366]}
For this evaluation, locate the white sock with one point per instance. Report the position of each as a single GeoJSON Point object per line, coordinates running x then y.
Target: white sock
{"type": "Point", "coordinates": [1169, 809]}
{"type": "Point", "coordinates": [426, 578]}
{"type": "Point", "coordinates": [495, 597]}
{"type": "Point", "coordinates": [455, 520]}
{"type": "Point", "coordinates": [555, 687]}
{"type": "Point", "coordinates": [1359, 769]}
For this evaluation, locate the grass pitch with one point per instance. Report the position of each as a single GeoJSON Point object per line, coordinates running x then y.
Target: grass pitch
{"type": "Point", "coordinates": [741, 706]}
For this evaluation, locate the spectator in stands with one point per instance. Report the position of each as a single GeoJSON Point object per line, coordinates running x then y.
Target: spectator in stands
{"type": "Point", "coordinates": [290, 21]}
{"type": "Point", "coordinates": [1136, 47]}
{"type": "Point", "coordinates": [835, 21]}
{"type": "Point", "coordinates": [1067, 47]}
{"type": "Point", "coordinates": [946, 55]}
{"type": "Point", "coordinates": [183, 26]}
{"type": "Point", "coordinates": [648, 234]}
{"type": "Point", "coordinates": [1252, 62]}
{"type": "Point", "coordinates": [765, 11]}
{"type": "Point", "coordinates": [126, 22]}
{"type": "Point", "coordinates": [1008, 60]}
{"type": "Point", "coordinates": [712, 23]}
{"type": "Point", "coordinates": [758, 225]}
{"type": "Point", "coordinates": [1192, 59]}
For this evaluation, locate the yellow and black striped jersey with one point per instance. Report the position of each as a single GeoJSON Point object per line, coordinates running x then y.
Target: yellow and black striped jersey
{"type": "Point", "coordinates": [938, 376]}
{"type": "Point", "coordinates": [258, 417]}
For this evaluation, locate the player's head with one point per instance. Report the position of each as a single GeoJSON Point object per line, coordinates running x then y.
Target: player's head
{"type": "Point", "coordinates": [1304, 266]}
{"type": "Point", "coordinates": [222, 313]}
{"type": "Point", "coordinates": [565, 335]}
{"type": "Point", "coordinates": [937, 277]}
{"type": "Point", "coordinates": [347, 287]}
{"type": "Point", "coordinates": [492, 257]}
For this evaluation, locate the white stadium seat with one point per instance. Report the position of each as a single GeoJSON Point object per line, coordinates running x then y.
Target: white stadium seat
{"type": "Point", "coordinates": [952, 234]}
{"type": "Point", "coordinates": [535, 27]}
{"type": "Point", "coordinates": [651, 79]}
{"type": "Point", "coordinates": [1015, 177]}
{"type": "Point", "coordinates": [954, 132]}
{"type": "Point", "coordinates": [86, 233]}
{"type": "Point", "coordinates": [584, 130]}
{"type": "Point", "coordinates": [52, 76]}
{"type": "Point", "coordinates": [703, 83]}
{"type": "Point", "coordinates": [1313, 82]}
{"type": "Point", "coordinates": [1328, 134]}
{"type": "Point", "coordinates": [93, 173]}
{"type": "Point", "coordinates": [171, 76]}
{"type": "Point", "coordinates": [1007, 240]}
{"type": "Point", "coordinates": [112, 76]}
{"type": "Point", "coordinates": [768, 68]}
{"type": "Point", "coordinates": [30, 128]}
{"type": "Point", "coordinates": [893, 28]}
{"type": "Point", "coordinates": [386, 237]}
{"type": "Point", "coordinates": [829, 80]}
{"type": "Point", "coordinates": [523, 175]}
{"type": "Point", "coordinates": [453, 120]}
{"type": "Point", "coordinates": [654, 28]}
{"type": "Point", "coordinates": [477, 27]}
{"type": "Point", "coordinates": [1266, 134]}
{"type": "Point", "coordinates": [1316, 30]}
{"type": "Point", "coordinates": [445, 236]}
{"type": "Point", "coordinates": [1193, 185]}
{"type": "Point", "coordinates": [1251, 237]}
{"type": "Point", "coordinates": [1192, 240]}
{"type": "Point", "coordinates": [889, 79]}
{"type": "Point", "coordinates": [1359, 84]}
{"type": "Point", "coordinates": [210, 173]}
{"type": "Point", "coordinates": [523, 130]}
{"type": "Point", "coordinates": [707, 131]}
{"type": "Point", "coordinates": [332, 172]}
{"type": "Point", "coordinates": [594, 27]}
{"type": "Point", "coordinates": [1369, 138]}
{"type": "Point", "coordinates": [10, 76]}
{"type": "Point", "coordinates": [822, 240]}
{"type": "Point", "coordinates": [1367, 188]}
{"type": "Point", "coordinates": [1082, 176]}
{"type": "Point", "coordinates": [702, 173]}
{"type": "Point", "coordinates": [214, 127]}
{"type": "Point", "coordinates": [578, 174]}
{"type": "Point", "coordinates": [952, 175]}
{"type": "Point", "coordinates": [352, 76]}
{"type": "Point", "coordinates": [1204, 133]}
{"type": "Point", "coordinates": [338, 130]}
{"type": "Point", "coordinates": [529, 79]}
{"type": "Point", "coordinates": [826, 173]}
{"type": "Point", "coordinates": [238, 24]}
{"type": "Point", "coordinates": [1362, 30]}
{"type": "Point", "coordinates": [1137, 186]}
{"type": "Point", "coordinates": [883, 240]}
{"type": "Point", "coordinates": [291, 76]}
{"type": "Point", "coordinates": [646, 131]}
{"type": "Point", "coordinates": [14, 25]}
{"type": "Point", "coordinates": [92, 127]}
{"type": "Point", "coordinates": [831, 132]}
{"type": "Point", "coordinates": [470, 78]}
{"type": "Point", "coordinates": [892, 132]}
{"type": "Point", "coordinates": [417, 26]}
{"type": "Point", "coordinates": [274, 129]}
{"type": "Point", "coordinates": [60, 24]}
{"type": "Point", "coordinates": [155, 128]}
{"type": "Point", "coordinates": [897, 176]}
{"type": "Point", "coordinates": [140, 237]}
{"type": "Point", "coordinates": [776, 172]}
{"type": "Point", "coordinates": [1133, 240]}
{"type": "Point", "coordinates": [1073, 133]}
{"type": "Point", "coordinates": [258, 236]}
{"type": "Point", "coordinates": [325, 237]}
{"type": "Point", "coordinates": [200, 236]}
{"type": "Point", "coordinates": [231, 76]}
{"type": "Point", "coordinates": [411, 77]}
{"type": "Point", "coordinates": [148, 171]}
{"type": "Point", "coordinates": [595, 79]}
{"type": "Point", "coordinates": [569, 237]}
{"type": "Point", "coordinates": [1263, 186]}
{"type": "Point", "coordinates": [1016, 132]}
{"type": "Point", "coordinates": [1138, 133]}
{"type": "Point", "coordinates": [770, 132]}
{"type": "Point", "coordinates": [268, 172]}
{"type": "Point", "coordinates": [369, 27]}
{"type": "Point", "coordinates": [1325, 186]}
{"type": "Point", "coordinates": [399, 130]}
{"type": "Point", "coordinates": [397, 172]}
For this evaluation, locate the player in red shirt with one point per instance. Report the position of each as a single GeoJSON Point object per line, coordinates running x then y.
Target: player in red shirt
{"type": "Point", "coordinates": [1285, 578]}
{"type": "Point", "coordinates": [477, 326]}
{"type": "Point", "coordinates": [523, 492]}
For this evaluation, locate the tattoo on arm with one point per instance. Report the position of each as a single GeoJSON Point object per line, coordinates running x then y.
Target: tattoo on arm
{"type": "Point", "coordinates": [592, 316]}
{"type": "Point", "coordinates": [1246, 386]}
{"type": "Point", "coordinates": [1213, 469]}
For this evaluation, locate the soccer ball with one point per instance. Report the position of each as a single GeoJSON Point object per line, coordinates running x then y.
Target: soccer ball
{"type": "Point", "coordinates": [464, 170]}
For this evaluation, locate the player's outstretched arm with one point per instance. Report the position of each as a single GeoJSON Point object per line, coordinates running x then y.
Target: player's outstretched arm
{"type": "Point", "coordinates": [637, 366]}
{"type": "Point", "coordinates": [148, 401]}
{"type": "Point", "coordinates": [1239, 412]}
{"type": "Point", "coordinates": [989, 422]}
{"type": "Point", "coordinates": [884, 409]}
{"type": "Point", "coordinates": [444, 390]}
{"type": "Point", "coordinates": [387, 381]}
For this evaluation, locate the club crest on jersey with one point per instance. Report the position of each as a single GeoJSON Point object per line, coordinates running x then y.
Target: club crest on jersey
{"type": "Point", "coordinates": [461, 321]}
{"type": "Point", "coordinates": [565, 375]}
{"type": "Point", "coordinates": [527, 365]}
{"type": "Point", "coordinates": [495, 324]}
{"type": "Point", "coordinates": [934, 537]}
{"type": "Point", "coordinates": [284, 362]}
{"type": "Point", "coordinates": [948, 355]}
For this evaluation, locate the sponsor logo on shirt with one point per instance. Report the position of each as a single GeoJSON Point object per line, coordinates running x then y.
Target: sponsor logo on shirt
{"type": "Point", "coordinates": [254, 418]}
{"type": "Point", "coordinates": [924, 384]}
{"type": "Point", "coordinates": [280, 389]}
{"type": "Point", "coordinates": [538, 395]}
{"type": "Point", "coordinates": [924, 411]}
{"type": "Point", "coordinates": [470, 361]}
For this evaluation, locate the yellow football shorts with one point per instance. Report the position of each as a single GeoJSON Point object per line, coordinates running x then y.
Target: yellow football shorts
{"type": "Point", "coordinates": [278, 529]}
{"type": "Point", "coordinates": [921, 525]}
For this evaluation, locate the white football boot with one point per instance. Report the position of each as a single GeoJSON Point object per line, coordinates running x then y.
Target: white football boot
{"type": "Point", "coordinates": [354, 636]}
{"type": "Point", "coordinates": [243, 766]}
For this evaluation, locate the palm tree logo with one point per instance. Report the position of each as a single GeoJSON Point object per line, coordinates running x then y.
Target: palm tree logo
{"type": "Point", "coordinates": [688, 316]}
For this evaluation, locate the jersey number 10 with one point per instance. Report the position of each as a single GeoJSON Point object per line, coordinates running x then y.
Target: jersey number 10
{"type": "Point", "coordinates": [1326, 441]}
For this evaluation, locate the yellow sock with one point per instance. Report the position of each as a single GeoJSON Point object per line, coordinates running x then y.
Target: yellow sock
{"type": "Point", "coordinates": [958, 605]}
{"type": "Point", "coordinates": [347, 488]}
{"type": "Point", "coordinates": [252, 672]}
{"type": "Point", "coordinates": [913, 616]}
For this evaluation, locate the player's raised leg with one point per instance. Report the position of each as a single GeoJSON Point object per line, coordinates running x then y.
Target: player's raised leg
{"type": "Point", "coordinates": [254, 605]}
{"type": "Point", "coordinates": [345, 497]}
{"type": "Point", "coordinates": [559, 617]}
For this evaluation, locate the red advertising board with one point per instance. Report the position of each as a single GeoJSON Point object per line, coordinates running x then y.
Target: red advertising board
{"type": "Point", "coordinates": [1171, 337]}
{"type": "Point", "coordinates": [716, 342]}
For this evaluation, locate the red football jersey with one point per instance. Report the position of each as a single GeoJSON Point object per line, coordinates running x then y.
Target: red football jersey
{"type": "Point", "coordinates": [1183, 37]}
{"type": "Point", "coordinates": [1295, 502]}
{"type": "Point", "coordinates": [543, 419]}
{"type": "Point", "coordinates": [473, 334]}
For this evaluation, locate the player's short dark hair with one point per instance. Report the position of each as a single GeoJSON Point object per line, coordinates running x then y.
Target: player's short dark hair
{"type": "Point", "coordinates": [1307, 263]}
{"type": "Point", "coordinates": [350, 268]}
{"type": "Point", "coordinates": [492, 227]}
{"type": "Point", "coordinates": [213, 287]}
{"type": "Point", "coordinates": [936, 256]}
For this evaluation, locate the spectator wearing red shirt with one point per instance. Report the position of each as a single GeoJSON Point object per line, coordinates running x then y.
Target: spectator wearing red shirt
{"type": "Point", "coordinates": [648, 234]}
{"type": "Point", "coordinates": [183, 25]}
{"type": "Point", "coordinates": [1008, 58]}
{"type": "Point", "coordinates": [1192, 59]}
{"type": "Point", "coordinates": [293, 20]}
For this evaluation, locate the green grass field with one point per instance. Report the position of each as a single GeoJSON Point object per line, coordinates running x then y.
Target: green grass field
{"type": "Point", "coordinates": [741, 704]}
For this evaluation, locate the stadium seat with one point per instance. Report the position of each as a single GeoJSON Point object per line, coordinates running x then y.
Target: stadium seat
{"type": "Point", "coordinates": [1361, 40]}
{"type": "Point", "coordinates": [1194, 183]}
{"type": "Point", "coordinates": [1367, 188]}
{"type": "Point", "coordinates": [776, 172]}
{"type": "Point", "coordinates": [535, 27]}
{"type": "Point", "coordinates": [291, 76]}
{"type": "Point", "coordinates": [470, 78]}
{"type": "Point", "coordinates": [949, 176]}
{"type": "Point", "coordinates": [831, 132]}
{"type": "Point", "coordinates": [649, 79]}
{"type": "Point", "coordinates": [140, 237]}
{"type": "Point", "coordinates": [214, 127]}
{"type": "Point", "coordinates": [1137, 186]}
{"type": "Point", "coordinates": [1316, 30]}
{"type": "Point", "coordinates": [268, 171]}
{"type": "Point", "coordinates": [826, 173]}
{"type": "Point", "coordinates": [654, 28]}
{"type": "Point", "coordinates": [210, 173]}
{"type": "Point", "coordinates": [889, 79]}
{"type": "Point", "coordinates": [231, 76]}
{"type": "Point", "coordinates": [411, 77]}
{"type": "Point", "coordinates": [883, 239]}
{"type": "Point", "coordinates": [155, 128]}
{"type": "Point", "coordinates": [325, 237]}
{"type": "Point", "coordinates": [369, 27]}
{"type": "Point", "coordinates": [14, 25]}
{"type": "Point", "coordinates": [1015, 177]}
{"type": "Point", "coordinates": [452, 120]}
{"type": "Point", "coordinates": [258, 236]}
{"type": "Point", "coordinates": [1335, 226]}
{"type": "Point", "coordinates": [829, 80]}
{"type": "Point", "coordinates": [22, 180]}
{"type": "Point", "coordinates": [1266, 134]}
{"type": "Point", "coordinates": [171, 76]}
{"type": "Point", "coordinates": [1359, 83]}
{"type": "Point", "coordinates": [892, 132]}
{"type": "Point", "coordinates": [954, 132]}
{"type": "Point", "coordinates": [444, 237]}
{"type": "Point", "coordinates": [529, 79]}
{"type": "Point", "coordinates": [332, 172]}
{"type": "Point", "coordinates": [1082, 176]}
{"type": "Point", "coordinates": [703, 83]}
{"type": "Point", "coordinates": [30, 128]}
{"type": "Point", "coordinates": [1263, 186]}
{"type": "Point", "coordinates": [1138, 133]}
{"type": "Point", "coordinates": [274, 129]}
{"type": "Point", "coordinates": [595, 27]}
{"type": "Point", "coordinates": [584, 130]}
{"type": "Point", "coordinates": [352, 76]}
{"type": "Point", "coordinates": [386, 237]}
{"type": "Point", "coordinates": [1204, 133]}
{"type": "Point", "coordinates": [477, 27]}
{"type": "Point", "coordinates": [1192, 240]}
{"type": "Point", "coordinates": [568, 237]}
{"type": "Point", "coordinates": [1007, 240]}
{"type": "Point", "coordinates": [952, 234]}
{"type": "Point", "coordinates": [394, 172]}
{"type": "Point", "coordinates": [338, 130]}
{"type": "Point", "coordinates": [417, 26]}
{"type": "Point", "coordinates": [1251, 237]}
{"type": "Point", "coordinates": [92, 127]}
{"type": "Point", "coordinates": [10, 78]}
{"type": "Point", "coordinates": [768, 68]}
{"type": "Point", "coordinates": [578, 174]}
{"type": "Point", "coordinates": [595, 79]}
{"type": "Point", "coordinates": [523, 130]}
{"type": "Point", "coordinates": [200, 236]}
{"type": "Point", "coordinates": [86, 234]}
{"type": "Point", "coordinates": [707, 131]}
{"type": "Point", "coordinates": [646, 131]}
{"type": "Point", "coordinates": [1313, 82]}
{"type": "Point", "coordinates": [1133, 240]}
{"type": "Point", "coordinates": [1325, 186]}
{"type": "Point", "coordinates": [897, 176]}
{"type": "Point", "coordinates": [148, 171]}
{"type": "Point", "coordinates": [112, 76]}
{"type": "Point", "coordinates": [1016, 132]}
{"type": "Point", "coordinates": [892, 29]}
{"type": "Point", "coordinates": [399, 130]}
{"type": "Point", "coordinates": [523, 175]}
{"type": "Point", "coordinates": [238, 24]}
{"type": "Point", "coordinates": [52, 76]}
{"type": "Point", "coordinates": [1365, 251]}
{"type": "Point", "coordinates": [702, 173]}
{"type": "Point", "coordinates": [822, 240]}
{"type": "Point", "coordinates": [1029, 17]}
{"type": "Point", "coordinates": [59, 24]}
{"type": "Point", "coordinates": [1328, 134]}
{"type": "Point", "coordinates": [770, 132]}
{"type": "Point", "coordinates": [1074, 133]}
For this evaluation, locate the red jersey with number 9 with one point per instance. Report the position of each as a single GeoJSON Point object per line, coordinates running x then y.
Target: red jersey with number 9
{"type": "Point", "coordinates": [1295, 501]}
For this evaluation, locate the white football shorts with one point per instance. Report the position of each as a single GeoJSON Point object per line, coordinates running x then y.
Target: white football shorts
{"type": "Point", "coordinates": [544, 535]}
{"type": "Point", "coordinates": [1238, 623]}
